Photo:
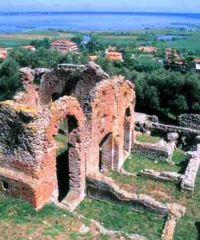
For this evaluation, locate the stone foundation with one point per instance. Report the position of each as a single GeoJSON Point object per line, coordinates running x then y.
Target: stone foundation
{"type": "Point", "coordinates": [157, 152]}
{"type": "Point", "coordinates": [189, 178]}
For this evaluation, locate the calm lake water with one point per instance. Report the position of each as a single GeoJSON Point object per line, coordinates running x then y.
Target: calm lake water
{"type": "Point", "coordinates": [23, 22]}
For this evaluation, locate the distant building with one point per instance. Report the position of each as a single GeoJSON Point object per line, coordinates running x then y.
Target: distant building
{"type": "Point", "coordinates": [30, 47]}
{"type": "Point", "coordinates": [64, 46]}
{"type": "Point", "coordinates": [93, 58]}
{"type": "Point", "coordinates": [3, 53]}
{"type": "Point", "coordinates": [196, 63]}
{"type": "Point", "coordinates": [148, 49]}
{"type": "Point", "coordinates": [112, 49]}
{"type": "Point", "coordinates": [114, 56]}
{"type": "Point", "coordinates": [172, 56]}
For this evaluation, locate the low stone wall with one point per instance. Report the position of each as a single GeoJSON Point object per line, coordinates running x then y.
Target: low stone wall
{"type": "Point", "coordinates": [170, 128]}
{"type": "Point", "coordinates": [176, 212]}
{"type": "Point", "coordinates": [190, 120]}
{"type": "Point", "coordinates": [189, 178]}
{"type": "Point", "coordinates": [188, 129]}
{"type": "Point", "coordinates": [161, 176]}
{"type": "Point", "coordinates": [157, 152]}
{"type": "Point", "coordinates": [104, 188]}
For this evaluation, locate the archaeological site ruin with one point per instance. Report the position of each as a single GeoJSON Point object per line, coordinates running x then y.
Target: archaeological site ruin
{"type": "Point", "coordinates": [94, 111]}
{"type": "Point", "coordinates": [69, 126]}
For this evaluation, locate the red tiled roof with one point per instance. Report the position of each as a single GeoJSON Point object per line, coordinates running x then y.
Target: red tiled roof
{"type": "Point", "coordinates": [3, 53]}
{"type": "Point", "coordinates": [149, 49]}
{"type": "Point", "coordinates": [61, 42]}
{"type": "Point", "coordinates": [114, 56]}
{"type": "Point", "coordinates": [28, 46]}
{"type": "Point", "coordinates": [197, 60]}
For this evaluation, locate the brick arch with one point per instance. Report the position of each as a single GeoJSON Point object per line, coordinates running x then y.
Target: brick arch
{"type": "Point", "coordinates": [69, 109]}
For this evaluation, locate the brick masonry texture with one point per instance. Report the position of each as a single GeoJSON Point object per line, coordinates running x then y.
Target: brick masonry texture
{"type": "Point", "coordinates": [99, 112]}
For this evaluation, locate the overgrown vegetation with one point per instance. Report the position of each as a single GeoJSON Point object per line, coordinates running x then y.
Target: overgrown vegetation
{"type": "Point", "coordinates": [146, 138]}
{"type": "Point", "coordinates": [121, 218]}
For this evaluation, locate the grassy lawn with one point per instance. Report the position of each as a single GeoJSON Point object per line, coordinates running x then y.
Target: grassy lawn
{"type": "Point", "coordinates": [162, 191]}
{"type": "Point", "coordinates": [145, 138]}
{"type": "Point", "coordinates": [120, 218]}
{"type": "Point", "coordinates": [138, 162]}
{"type": "Point", "coordinates": [18, 221]}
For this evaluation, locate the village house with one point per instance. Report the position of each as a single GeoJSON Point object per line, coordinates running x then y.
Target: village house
{"type": "Point", "coordinates": [93, 58]}
{"type": "Point", "coordinates": [172, 57]}
{"type": "Point", "coordinates": [114, 56]}
{"type": "Point", "coordinates": [148, 49]}
{"type": "Point", "coordinates": [64, 46]}
{"type": "Point", "coordinates": [196, 64]}
{"type": "Point", "coordinates": [30, 47]}
{"type": "Point", "coordinates": [3, 53]}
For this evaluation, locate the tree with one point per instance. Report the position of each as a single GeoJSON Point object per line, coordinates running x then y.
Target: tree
{"type": "Point", "coordinates": [9, 79]}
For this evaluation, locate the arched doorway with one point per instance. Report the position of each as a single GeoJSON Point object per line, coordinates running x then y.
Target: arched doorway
{"type": "Point", "coordinates": [67, 159]}
{"type": "Point", "coordinates": [127, 130]}
{"type": "Point", "coordinates": [105, 153]}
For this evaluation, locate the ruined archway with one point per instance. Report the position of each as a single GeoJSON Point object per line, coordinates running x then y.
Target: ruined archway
{"type": "Point", "coordinates": [127, 130]}
{"type": "Point", "coordinates": [66, 130]}
{"type": "Point", "coordinates": [66, 155]}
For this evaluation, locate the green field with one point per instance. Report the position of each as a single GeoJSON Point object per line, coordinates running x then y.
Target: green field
{"type": "Point", "coordinates": [135, 38]}
{"type": "Point", "coordinates": [18, 39]}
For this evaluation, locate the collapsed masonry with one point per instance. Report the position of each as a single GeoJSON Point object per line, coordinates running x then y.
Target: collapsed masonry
{"type": "Point", "coordinates": [98, 114]}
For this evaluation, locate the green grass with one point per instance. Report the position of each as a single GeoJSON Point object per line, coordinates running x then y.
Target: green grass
{"type": "Point", "coordinates": [13, 42]}
{"type": "Point", "coordinates": [138, 162]}
{"type": "Point", "coordinates": [165, 192]}
{"type": "Point", "coordinates": [162, 191]}
{"type": "Point", "coordinates": [25, 221]}
{"type": "Point", "coordinates": [120, 218]}
{"type": "Point", "coordinates": [117, 40]}
{"type": "Point", "coordinates": [145, 138]}
{"type": "Point", "coordinates": [186, 229]}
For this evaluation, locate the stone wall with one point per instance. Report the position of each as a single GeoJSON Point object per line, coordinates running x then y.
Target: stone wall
{"type": "Point", "coordinates": [190, 121]}
{"type": "Point", "coordinates": [189, 178]}
{"type": "Point", "coordinates": [101, 187]}
{"type": "Point", "coordinates": [157, 152]}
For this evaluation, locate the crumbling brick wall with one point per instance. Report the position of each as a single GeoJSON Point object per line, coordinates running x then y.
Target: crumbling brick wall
{"type": "Point", "coordinates": [103, 109]}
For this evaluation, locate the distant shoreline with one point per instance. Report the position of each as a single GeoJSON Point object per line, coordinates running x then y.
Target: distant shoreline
{"type": "Point", "coordinates": [95, 21]}
{"type": "Point", "coordinates": [181, 14]}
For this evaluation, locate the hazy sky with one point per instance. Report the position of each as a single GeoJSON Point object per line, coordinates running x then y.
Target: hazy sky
{"type": "Point", "coordinates": [101, 5]}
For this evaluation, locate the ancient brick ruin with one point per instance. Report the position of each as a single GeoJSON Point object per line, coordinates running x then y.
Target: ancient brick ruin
{"type": "Point", "coordinates": [97, 112]}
